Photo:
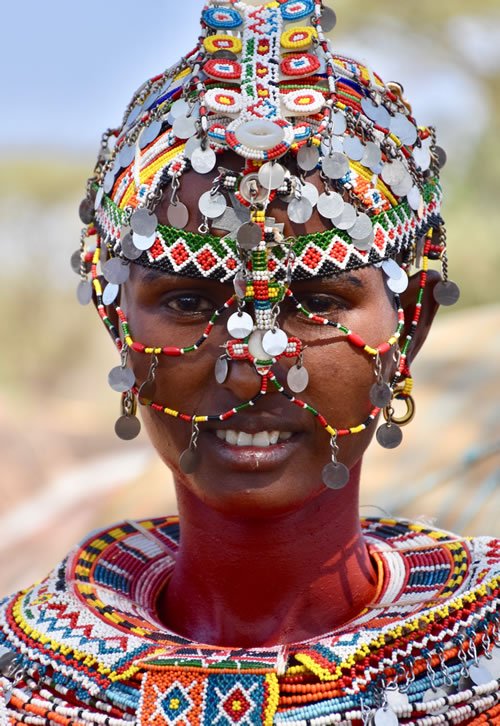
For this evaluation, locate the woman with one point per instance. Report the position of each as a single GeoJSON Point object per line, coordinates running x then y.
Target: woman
{"type": "Point", "coordinates": [266, 212]}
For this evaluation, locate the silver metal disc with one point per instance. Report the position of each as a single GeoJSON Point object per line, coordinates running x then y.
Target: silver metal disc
{"type": "Point", "coordinates": [150, 133]}
{"type": "Point", "coordinates": [335, 476]}
{"type": "Point", "coordinates": [328, 19]}
{"type": "Point", "coordinates": [363, 245]}
{"type": "Point", "coordinates": [126, 155]}
{"type": "Point", "coordinates": [398, 285]}
{"type": "Point", "coordinates": [240, 325]}
{"type": "Point", "coordinates": [108, 181]}
{"type": "Point", "coordinates": [403, 128]}
{"type": "Point", "coordinates": [255, 346]}
{"type": "Point", "coordinates": [127, 427]}
{"type": "Point", "coordinates": [116, 270]}
{"type": "Point", "coordinates": [308, 158]}
{"type": "Point", "coordinates": [383, 118]}
{"type": "Point", "coordinates": [347, 219]}
{"type": "Point", "coordinates": [203, 160]}
{"type": "Point", "coordinates": [362, 227]}
{"type": "Point", "coordinates": [134, 115]}
{"type": "Point", "coordinates": [275, 342]}
{"type": "Point", "coordinates": [179, 108]}
{"type": "Point", "coordinates": [121, 379]}
{"type": "Point", "coordinates": [84, 292]}
{"type": "Point", "coordinates": [297, 379]}
{"type": "Point", "coordinates": [212, 205]}
{"type": "Point", "coordinates": [380, 395]}
{"type": "Point", "coordinates": [86, 211]}
{"type": "Point", "coordinates": [184, 127]}
{"type": "Point", "coordinates": [330, 205]}
{"type": "Point", "coordinates": [402, 188]}
{"type": "Point", "coordinates": [392, 269]}
{"type": "Point", "coordinates": [147, 393]}
{"type": "Point", "coordinates": [221, 369]}
{"type": "Point", "coordinates": [249, 235]}
{"type": "Point", "coordinates": [76, 261]}
{"type": "Point", "coordinates": [354, 148]}
{"type": "Point", "coordinates": [300, 210]}
{"type": "Point", "coordinates": [394, 172]}
{"type": "Point", "coordinates": [189, 461]}
{"type": "Point", "coordinates": [143, 243]}
{"type": "Point", "coordinates": [191, 145]}
{"type": "Point", "coordinates": [491, 662]}
{"type": "Point", "coordinates": [422, 156]}
{"type": "Point", "coordinates": [336, 165]}
{"type": "Point", "coordinates": [178, 215]}
{"type": "Point", "coordinates": [271, 175]}
{"type": "Point", "coordinates": [252, 190]}
{"type": "Point", "coordinates": [129, 250]}
{"type": "Point", "coordinates": [370, 109]}
{"type": "Point", "coordinates": [414, 198]}
{"type": "Point", "coordinates": [98, 198]}
{"type": "Point", "coordinates": [110, 293]}
{"type": "Point", "coordinates": [447, 293]}
{"type": "Point", "coordinates": [372, 156]}
{"type": "Point", "coordinates": [240, 284]}
{"type": "Point", "coordinates": [433, 695]}
{"type": "Point", "coordinates": [339, 123]}
{"type": "Point", "coordinates": [310, 192]}
{"type": "Point", "coordinates": [397, 700]}
{"type": "Point", "coordinates": [225, 55]}
{"type": "Point", "coordinates": [144, 222]}
{"type": "Point", "coordinates": [480, 675]}
{"type": "Point", "coordinates": [385, 717]}
{"type": "Point", "coordinates": [389, 436]}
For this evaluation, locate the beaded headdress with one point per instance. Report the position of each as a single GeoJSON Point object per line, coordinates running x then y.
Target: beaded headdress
{"type": "Point", "coordinates": [264, 83]}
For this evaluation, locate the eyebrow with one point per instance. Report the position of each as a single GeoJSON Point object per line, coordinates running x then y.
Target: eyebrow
{"type": "Point", "coordinates": [151, 275]}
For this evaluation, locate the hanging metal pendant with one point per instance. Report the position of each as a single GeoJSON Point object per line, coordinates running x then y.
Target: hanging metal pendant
{"type": "Point", "coordinates": [179, 108]}
{"type": "Point", "coordinates": [212, 205]}
{"type": "Point", "coordinates": [271, 175]}
{"type": "Point", "coordinates": [479, 675]}
{"type": "Point", "coordinates": [121, 379]}
{"type": "Point", "coordinates": [385, 717]}
{"type": "Point", "coordinates": [143, 243]}
{"type": "Point", "coordinates": [491, 662]}
{"type": "Point", "coordinates": [396, 699]}
{"type": "Point", "coordinates": [441, 156]}
{"type": "Point", "coordinates": [297, 379]}
{"type": "Point", "coordinates": [144, 222]}
{"type": "Point", "coordinates": [110, 293]}
{"type": "Point", "coordinates": [127, 427]}
{"type": "Point", "coordinates": [84, 292]}
{"type": "Point", "coordinates": [240, 325]}
{"type": "Point", "coordinates": [347, 219]}
{"type": "Point", "coordinates": [249, 236]}
{"type": "Point", "coordinates": [310, 192]}
{"type": "Point", "coordinates": [178, 215]}
{"type": "Point", "coordinates": [189, 461]}
{"type": "Point", "coordinates": [76, 261]}
{"type": "Point", "coordinates": [446, 293]}
{"type": "Point", "coordinates": [380, 395]}
{"type": "Point", "coordinates": [203, 160]}
{"type": "Point", "coordinates": [328, 19]}
{"type": "Point", "coordinates": [336, 165]}
{"type": "Point", "coordinates": [308, 158]}
{"type": "Point", "coordinates": [126, 155]}
{"type": "Point", "coordinates": [108, 181]}
{"type": "Point", "coordinates": [394, 172]}
{"type": "Point", "coordinates": [221, 369]}
{"type": "Point", "coordinates": [389, 436]}
{"type": "Point", "coordinates": [335, 475]}
{"type": "Point", "coordinates": [275, 342]}
{"type": "Point", "coordinates": [149, 134]}
{"type": "Point", "coordinates": [116, 271]}
{"type": "Point", "coordinates": [433, 695]}
{"type": "Point", "coordinates": [129, 250]}
{"type": "Point", "coordinates": [330, 205]}
{"type": "Point", "coordinates": [184, 127]}
{"type": "Point", "coordinates": [354, 148]}
{"type": "Point", "coordinates": [252, 190]}
{"type": "Point", "coordinates": [362, 227]}
{"type": "Point", "coordinates": [240, 285]}
{"type": "Point", "coordinates": [300, 210]}
{"type": "Point", "coordinates": [147, 393]}
{"type": "Point", "coordinates": [86, 211]}
{"type": "Point", "coordinates": [398, 285]}
{"type": "Point", "coordinates": [364, 245]}
{"type": "Point", "coordinates": [255, 346]}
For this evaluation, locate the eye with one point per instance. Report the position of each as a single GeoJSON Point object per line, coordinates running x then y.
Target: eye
{"type": "Point", "coordinates": [190, 303]}
{"type": "Point", "coordinates": [322, 304]}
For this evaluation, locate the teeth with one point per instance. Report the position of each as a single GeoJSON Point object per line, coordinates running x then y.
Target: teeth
{"type": "Point", "coordinates": [261, 439]}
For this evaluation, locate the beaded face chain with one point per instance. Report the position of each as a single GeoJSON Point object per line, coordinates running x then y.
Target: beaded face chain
{"type": "Point", "coordinates": [273, 93]}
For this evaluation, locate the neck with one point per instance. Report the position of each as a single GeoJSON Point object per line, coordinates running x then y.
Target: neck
{"type": "Point", "coordinates": [257, 583]}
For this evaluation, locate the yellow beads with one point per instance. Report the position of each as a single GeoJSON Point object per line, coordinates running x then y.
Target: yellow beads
{"type": "Point", "coordinates": [298, 38]}
{"type": "Point", "coordinates": [222, 42]}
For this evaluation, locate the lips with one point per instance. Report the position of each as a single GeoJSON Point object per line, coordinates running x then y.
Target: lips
{"type": "Point", "coordinates": [260, 439]}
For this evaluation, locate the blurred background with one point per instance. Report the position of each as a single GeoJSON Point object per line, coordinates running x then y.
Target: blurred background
{"type": "Point", "coordinates": [66, 73]}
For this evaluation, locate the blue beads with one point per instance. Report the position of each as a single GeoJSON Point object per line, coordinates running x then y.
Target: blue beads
{"type": "Point", "coordinates": [297, 9]}
{"type": "Point", "coordinates": [222, 18]}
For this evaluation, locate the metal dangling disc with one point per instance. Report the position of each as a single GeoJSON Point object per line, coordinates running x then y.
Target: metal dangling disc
{"type": "Point", "coordinates": [275, 342]}
{"type": "Point", "coordinates": [297, 379]}
{"type": "Point", "coordinates": [240, 325]}
{"type": "Point", "coordinates": [98, 198]}
{"type": "Point", "coordinates": [221, 369]}
{"type": "Point", "coordinates": [179, 108]}
{"type": "Point", "coordinates": [149, 134]}
{"type": "Point", "coordinates": [147, 393]}
{"type": "Point", "coordinates": [110, 293]}
{"type": "Point", "coordinates": [127, 428]}
{"type": "Point", "coordinates": [328, 19]}
{"type": "Point", "coordinates": [336, 165]}
{"type": "Point", "coordinates": [255, 346]}
{"type": "Point", "coordinates": [84, 292]}
{"type": "Point", "coordinates": [191, 145]}
{"type": "Point", "coordinates": [380, 395]}
{"type": "Point", "coordinates": [86, 211]}
{"type": "Point", "coordinates": [398, 285]}
{"type": "Point", "coordinates": [441, 156]}
{"type": "Point", "coordinates": [300, 210]}
{"type": "Point", "coordinates": [389, 436]}
{"type": "Point", "coordinates": [126, 155]}
{"type": "Point", "coordinates": [116, 271]}
{"type": "Point", "coordinates": [143, 243]}
{"type": "Point", "coordinates": [203, 160]}
{"type": "Point", "coordinates": [144, 222]}
{"type": "Point", "coordinates": [362, 227]}
{"type": "Point", "coordinates": [252, 190]}
{"type": "Point", "coordinates": [330, 205]}
{"type": "Point", "coordinates": [212, 205]}
{"type": "Point", "coordinates": [397, 700]}
{"type": "Point", "coordinates": [121, 379]}
{"type": "Point", "coordinates": [308, 158]}
{"type": "Point", "coordinates": [335, 476]}
{"type": "Point", "coordinates": [385, 717]}
{"type": "Point", "coordinates": [108, 181]}
{"type": "Point", "coordinates": [433, 695]}
{"type": "Point", "coordinates": [347, 219]}
{"type": "Point", "coordinates": [178, 215]}
{"type": "Point", "coordinates": [363, 245]}
{"type": "Point", "coordinates": [422, 156]}
{"type": "Point", "coordinates": [394, 172]}
{"type": "Point", "coordinates": [446, 293]}
{"type": "Point", "coordinates": [354, 148]}
{"type": "Point", "coordinates": [491, 662]}
{"type": "Point", "coordinates": [339, 123]}
{"type": "Point", "coordinates": [240, 285]}
{"type": "Point", "coordinates": [479, 675]}
{"type": "Point", "coordinates": [372, 156]}
{"type": "Point", "coordinates": [402, 188]}
{"type": "Point", "coordinates": [249, 235]}
{"type": "Point", "coordinates": [414, 198]}
{"type": "Point", "coordinates": [403, 128]}
{"type": "Point", "coordinates": [310, 192]}
{"type": "Point", "coordinates": [189, 460]}
{"type": "Point", "coordinates": [271, 175]}
{"type": "Point", "coordinates": [129, 250]}
{"type": "Point", "coordinates": [76, 261]}
{"type": "Point", "coordinates": [184, 127]}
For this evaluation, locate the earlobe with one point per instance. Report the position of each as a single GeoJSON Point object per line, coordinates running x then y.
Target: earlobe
{"type": "Point", "coordinates": [428, 311]}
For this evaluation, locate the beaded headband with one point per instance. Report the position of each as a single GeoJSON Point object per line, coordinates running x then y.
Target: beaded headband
{"type": "Point", "coordinates": [264, 84]}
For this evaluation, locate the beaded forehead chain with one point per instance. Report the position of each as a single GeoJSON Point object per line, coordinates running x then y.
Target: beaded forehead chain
{"type": "Point", "coordinates": [264, 83]}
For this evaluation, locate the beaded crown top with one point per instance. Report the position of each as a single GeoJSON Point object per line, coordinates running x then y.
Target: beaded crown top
{"type": "Point", "coordinates": [265, 83]}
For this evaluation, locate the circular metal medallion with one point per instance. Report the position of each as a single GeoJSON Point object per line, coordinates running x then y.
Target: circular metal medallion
{"type": "Point", "coordinates": [212, 205]}
{"type": "Point", "coordinates": [240, 284]}
{"type": "Point", "coordinates": [335, 476]}
{"type": "Point", "coordinates": [110, 293]}
{"type": "Point", "coordinates": [380, 395]}
{"type": "Point", "coordinates": [143, 243]}
{"type": "Point", "coordinates": [447, 293]}
{"type": "Point", "coordinates": [149, 134]}
{"type": "Point", "coordinates": [397, 700]}
{"type": "Point", "coordinates": [336, 165]}
{"type": "Point", "coordinates": [372, 155]}
{"type": "Point", "coordinates": [300, 210]}
{"type": "Point", "coordinates": [308, 158]}
{"type": "Point", "coordinates": [275, 342]}
{"type": "Point", "coordinates": [362, 227]}
{"type": "Point", "coordinates": [480, 675]}
{"type": "Point", "coordinates": [108, 181]}
{"type": "Point", "coordinates": [252, 190]}
{"type": "Point", "coordinates": [121, 379]}
{"type": "Point", "coordinates": [310, 192]}
{"type": "Point", "coordinates": [385, 717]}
{"type": "Point", "coordinates": [354, 148]}
{"type": "Point", "coordinates": [126, 155]}
{"type": "Point", "coordinates": [328, 19]}
{"type": "Point", "coordinates": [402, 188]}
{"type": "Point", "coordinates": [414, 198]}
{"type": "Point", "coordinates": [98, 198]}
{"type": "Point", "coordinates": [191, 145]}
{"type": "Point", "coordinates": [127, 427]}
{"type": "Point", "coordinates": [271, 175]}
{"type": "Point", "coordinates": [422, 156]}
{"type": "Point", "coordinates": [84, 292]}
{"type": "Point", "coordinates": [86, 211]}
{"type": "Point", "coordinates": [249, 235]}
{"type": "Point", "coordinates": [184, 127]}
{"type": "Point", "coordinates": [143, 222]}
{"type": "Point", "coordinates": [434, 695]}
{"type": "Point", "coordinates": [403, 128]}
{"type": "Point", "coordinates": [129, 250]}
{"type": "Point", "coordinates": [116, 271]}
{"type": "Point", "coordinates": [189, 461]}
{"type": "Point", "coordinates": [398, 285]}
{"type": "Point", "coordinates": [179, 108]}
{"type": "Point", "coordinates": [339, 123]}
{"type": "Point", "coordinates": [147, 393]}
{"type": "Point", "coordinates": [178, 215]}
{"type": "Point", "coordinates": [240, 325]}
{"type": "Point", "coordinates": [389, 436]}
{"type": "Point", "coordinates": [76, 261]}
{"type": "Point", "coordinates": [221, 369]}
{"type": "Point", "coordinates": [363, 245]}
{"type": "Point", "coordinates": [491, 662]}
{"type": "Point", "coordinates": [330, 205]}
{"type": "Point", "coordinates": [203, 160]}
{"type": "Point", "coordinates": [347, 219]}
{"type": "Point", "coordinates": [297, 379]}
{"type": "Point", "coordinates": [394, 172]}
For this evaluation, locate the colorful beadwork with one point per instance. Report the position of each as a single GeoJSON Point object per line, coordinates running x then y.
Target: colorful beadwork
{"type": "Point", "coordinates": [297, 9]}
{"type": "Point", "coordinates": [222, 18]}
{"type": "Point", "coordinates": [303, 64]}
{"type": "Point", "coordinates": [298, 38]}
{"type": "Point", "coordinates": [227, 70]}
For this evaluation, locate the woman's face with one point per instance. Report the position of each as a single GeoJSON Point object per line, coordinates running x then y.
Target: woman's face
{"type": "Point", "coordinates": [234, 474]}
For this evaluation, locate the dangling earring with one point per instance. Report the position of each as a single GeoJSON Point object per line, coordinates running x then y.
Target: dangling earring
{"type": "Point", "coordinates": [190, 458]}
{"type": "Point", "coordinates": [298, 375]}
{"type": "Point", "coordinates": [335, 475]}
{"type": "Point", "coordinates": [389, 435]}
{"type": "Point", "coordinates": [380, 392]}
{"type": "Point", "coordinates": [222, 368]}
{"type": "Point", "coordinates": [148, 389]}
{"type": "Point", "coordinates": [128, 426]}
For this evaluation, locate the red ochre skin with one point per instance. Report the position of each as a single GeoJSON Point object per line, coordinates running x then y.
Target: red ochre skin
{"type": "Point", "coordinates": [268, 555]}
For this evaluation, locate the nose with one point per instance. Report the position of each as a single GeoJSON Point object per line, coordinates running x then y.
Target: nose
{"type": "Point", "coordinates": [243, 380]}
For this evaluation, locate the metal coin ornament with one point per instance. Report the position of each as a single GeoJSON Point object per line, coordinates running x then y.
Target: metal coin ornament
{"type": "Point", "coordinates": [127, 427]}
{"type": "Point", "coordinates": [147, 393]}
{"type": "Point", "coordinates": [212, 205]}
{"type": "Point", "coordinates": [354, 148]}
{"type": "Point", "coordinates": [479, 675]}
{"type": "Point", "coordinates": [203, 160]}
{"type": "Point", "coordinates": [300, 210]}
{"type": "Point", "coordinates": [328, 19]}
{"type": "Point", "coordinates": [310, 192]}
{"type": "Point", "coordinates": [380, 395]}
{"type": "Point", "coordinates": [271, 176]}
{"type": "Point", "coordinates": [189, 461]}
{"type": "Point", "coordinates": [335, 475]}
{"type": "Point", "coordinates": [129, 250]}
{"type": "Point", "coordinates": [255, 346]}
{"type": "Point", "coordinates": [275, 342]}
{"type": "Point", "coordinates": [389, 436]}
{"type": "Point", "coordinates": [221, 369]}
{"type": "Point", "coordinates": [76, 261]}
{"type": "Point", "coordinates": [336, 165]}
{"type": "Point", "coordinates": [249, 235]}
{"type": "Point", "coordinates": [441, 156]}
{"type": "Point", "coordinates": [121, 379]}
{"type": "Point", "coordinates": [347, 219]}
{"type": "Point", "coordinates": [143, 243]}
{"type": "Point", "coordinates": [84, 292]}
{"type": "Point", "coordinates": [184, 127]}
{"type": "Point", "coordinates": [385, 717]}
{"type": "Point", "coordinates": [144, 222]}
{"type": "Point", "coordinates": [179, 108]}
{"type": "Point", "coordinates": [191, 145]}
{"type": "Point", "coordinates": [396, 699]}
{"type": "Point", "coordinates": [116, 271]}
{"type": "Point", "coordinates": [446, 293]}
{"type": "Point", "coordinates": [126, 155]}
{"type": "Point", "coordinates": [178, 215]}
{"type": "Point", "coordinates": [252, 190]}
{"type": "Point", "coordinates": [433, 695]}
{"type": "Point", "coordinates": [491, 661]}
{"type": "Point", "coordinates": [240, 285]}
{"type": "Point", "coordinates": [110, 293]}
{"type": "Point", "coordinates": [240, 325]}
{"type": "Point", "coordinates": [308, 158]}
{"type": "Point", "coordinates": [98, 198]}
{"type": "Point", "coordinates": [362, 227]}
{"type": "Point", "coordinates": [297, 378]}
{"type": "Point", "coordinates": [330, 205]}
{"type": "Point", "coordinates": [86, 211]}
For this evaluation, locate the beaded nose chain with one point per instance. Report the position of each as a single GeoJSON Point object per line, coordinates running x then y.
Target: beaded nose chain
{"type": "Point", "coordinates": [272, 92]}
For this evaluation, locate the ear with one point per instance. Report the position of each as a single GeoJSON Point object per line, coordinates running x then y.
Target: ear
{"type": "Point", "coordinates": [427, 314]}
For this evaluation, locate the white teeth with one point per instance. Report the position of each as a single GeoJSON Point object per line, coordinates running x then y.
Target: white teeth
{"type": "Point", "coordinates": [261, 439]}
